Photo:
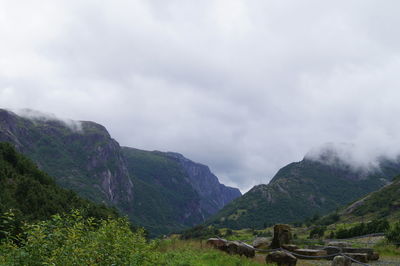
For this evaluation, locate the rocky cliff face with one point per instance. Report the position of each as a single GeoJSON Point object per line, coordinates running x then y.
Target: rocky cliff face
{"type": "Point", "coordinates": [213, 195]}
{"type": "Point", "coordinates": [83, 158]}
{"type": "Point", "coordinates": [183, 193]}
{"type": "Point", "coordinates": [162, 191]}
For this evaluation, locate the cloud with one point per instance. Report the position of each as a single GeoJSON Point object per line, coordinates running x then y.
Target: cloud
{"type": "Point", "coordinates": [35, 115]}
{"type": "Point", "coordinates": [242, 86]}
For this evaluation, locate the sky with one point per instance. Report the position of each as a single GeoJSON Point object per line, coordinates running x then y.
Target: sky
{"type": "Point", "coordinates": [243, 86]}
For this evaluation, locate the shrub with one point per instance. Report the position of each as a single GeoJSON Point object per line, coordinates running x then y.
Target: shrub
{"type": "Point", "coordinates": [393, 234]}
{"type": "Point", "coordinates": [375, 226]}
{"type": "Point", "coordinates": [317, 232]}
{"type": "Point", "coordinates": [74, 240]}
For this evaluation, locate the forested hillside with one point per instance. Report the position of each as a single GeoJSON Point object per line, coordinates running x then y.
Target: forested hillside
{"type": "Point", "coordinates": [303, 189]}
{"type": "Point", "coordinates": [163, 192]}
{"type": "Point", "coordinates": [29, 194]}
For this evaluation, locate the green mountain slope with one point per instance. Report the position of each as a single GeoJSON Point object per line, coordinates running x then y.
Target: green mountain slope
{"type": "Point", "coordinates": [82, 157]}
{"type": "Point", "coordinates": [157, 179]}
{"type": "Point", "coordinates": [33, 195]}
{"type": "Point", "coordinates": [300, 190]}
{"type": "Point", "coordinates": [384, 203]}
{"type": "Point", "coordinates": [163, 192]}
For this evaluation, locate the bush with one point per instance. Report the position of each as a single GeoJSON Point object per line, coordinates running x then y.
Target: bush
{"type": "Point", "coordinates": [317, 232]}
{"type": "Point", "coordinates": [393, 234]}
{"type": "Point", "coordinates": [74, 240]}
{"type": "Point", "coordinates": [201, 232]}
{"type": "Point", "coordinates": [375, 226]}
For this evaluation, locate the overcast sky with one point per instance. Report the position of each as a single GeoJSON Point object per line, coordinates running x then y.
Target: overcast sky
{"type": "Point", "coordinates": [245, 87]}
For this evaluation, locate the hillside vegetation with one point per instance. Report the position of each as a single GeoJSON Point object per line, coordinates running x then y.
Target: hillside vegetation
{"type": "Point", "coordinates": [384, 203]}
{"type": "Point", "coordinates": [31, 195]}
{"type": "Point", "coordinates": [164, 192]}
{"type": "Point", "coordinates": [157, 179]}
{"type": "Point", "coordinates": [300, 190]}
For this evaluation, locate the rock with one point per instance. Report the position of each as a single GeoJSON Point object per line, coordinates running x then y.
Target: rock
{"type": "Point", "coordinates": [331, 251]}
{"type": "Point", "coordinates": [368, 251]}
{"type": "Point", "coordinates": [341, 261]}
{"type": "Point", "coordinates": [340, 244]}
{"type": "Point", "coordinates": [281, 258]}
{"type": "Point", "coordinates": [290, 247]}
{"type": "Point", "coordinates": [373, 256]}
{"type": "Point", "coordinates": [232, 247]}
{"type": "Point", "coordinates": [239, 248]}
{"type": "Point", "coordinates": [282, 235]}
{"type": "Point", "coordinates": [216, 242]}
{"type": "Point", "coordinates": [261, 242]}
{"type": "Point", "coordinates": [361, 257]}
{"type": "Point", "coordinates": [309, 252]}
{"type": "Point", "coordinates": [358, 250]}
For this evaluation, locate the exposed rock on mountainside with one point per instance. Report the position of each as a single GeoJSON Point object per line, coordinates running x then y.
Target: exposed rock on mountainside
{"type": "Point", "coordinates": [302, 189]}
{"type": "Point", "coordinates": [162, 191]}
{"type": "Point", "coordinates": [180, 195]}
{"type": "Point", "coordinates": [86, 160]}
{"type": "Point", "coordinates": [32, 195]}
{"type": "Point", "coordinates": [213, 195]}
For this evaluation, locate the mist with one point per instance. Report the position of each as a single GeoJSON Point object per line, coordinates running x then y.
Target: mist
{"type": "Point", "coordinates": [35, 115]}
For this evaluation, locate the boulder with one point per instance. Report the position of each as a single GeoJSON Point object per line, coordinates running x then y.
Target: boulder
{"type": "Point", "coordinates": [332, 251]}
{"type": "Point", "coordinates": [217, 242]}
{"type": "Point", "coordinates": [290, 247]}
{"type": "Point", "coordinates": [281, 258]}
{"type": "Point", "coordinates": [310, 252]}
{"type": "Point", "coordinates": [232, 247]}
{"type": "Point", "coordinates": [373, 256]}
{"type": "Point", "coordinates": [261, 242]}
{"type": "Point", "coordinates": [361, 257]}
{"type": "Point", "coordinates": [240, 248]}
{"type": "Point", "coordinates": [282, 235]}
{"type": "Point", "coordinates": [340, 244]}
{"type": "Point", "coordinates": [341, 261]}
{"type": "Point", "coordinates": [369, 251]}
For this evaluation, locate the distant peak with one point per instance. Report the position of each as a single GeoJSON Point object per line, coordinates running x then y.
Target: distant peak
{"type": "Point", "coordinates": [331, 153]}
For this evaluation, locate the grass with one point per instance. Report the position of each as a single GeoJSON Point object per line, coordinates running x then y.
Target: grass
{"type": "Point", "coordinates": [196, 253]}
{"type": "Point", "coordinates": [387, 249]}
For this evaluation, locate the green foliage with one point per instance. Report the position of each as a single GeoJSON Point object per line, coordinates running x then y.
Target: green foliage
{"type": "Point", "coordinates": [72, 239]}
{"type": "Point", "coordinates": [28, 194]}
{"type": "Point", "coordinates": [317, 232]}
{"type": "Point", "coordinates": [375, 226]}
{"type": "Point", "coordinates": [393, 234]}
{"type": "Point", "coordinates": [201, 232]}
{"type": "Point", "coordinates": [193, 257]}
{"type": "Point", "coordinates": [156, 179]}
{"type": "Point", "coordinates": [282, 201]}
{"type": "Point", "coordinates": [329, 219]}
{"type": "Point", "coordinates": [385, 248]}
{"type": "Point", "coordinates": [197, 253]}
{"type": "Point", "coordinates": [382, 203]}
{"type": "Point", "coordinates": [75, 240]}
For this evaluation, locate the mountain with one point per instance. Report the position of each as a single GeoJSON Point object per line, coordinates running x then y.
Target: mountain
{"type": "Point", "coordinates": [82, 156]}
{"type": "Point", "coordinates": [303, 189]}
{"type": "Point", "coordinates": [163, 192]}
{"type": "Point", "coordinates": [33, 195]}
{"type": "Point", "coordinates": [183, 193]}
{"type": "Point", "coordinates": [384, 203]}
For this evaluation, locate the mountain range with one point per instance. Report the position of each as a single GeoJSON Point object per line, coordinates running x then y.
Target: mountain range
{"type": "Point", "coordinates": [161, 191]}
{"type": "Point", "coordinates": [166, 192]}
